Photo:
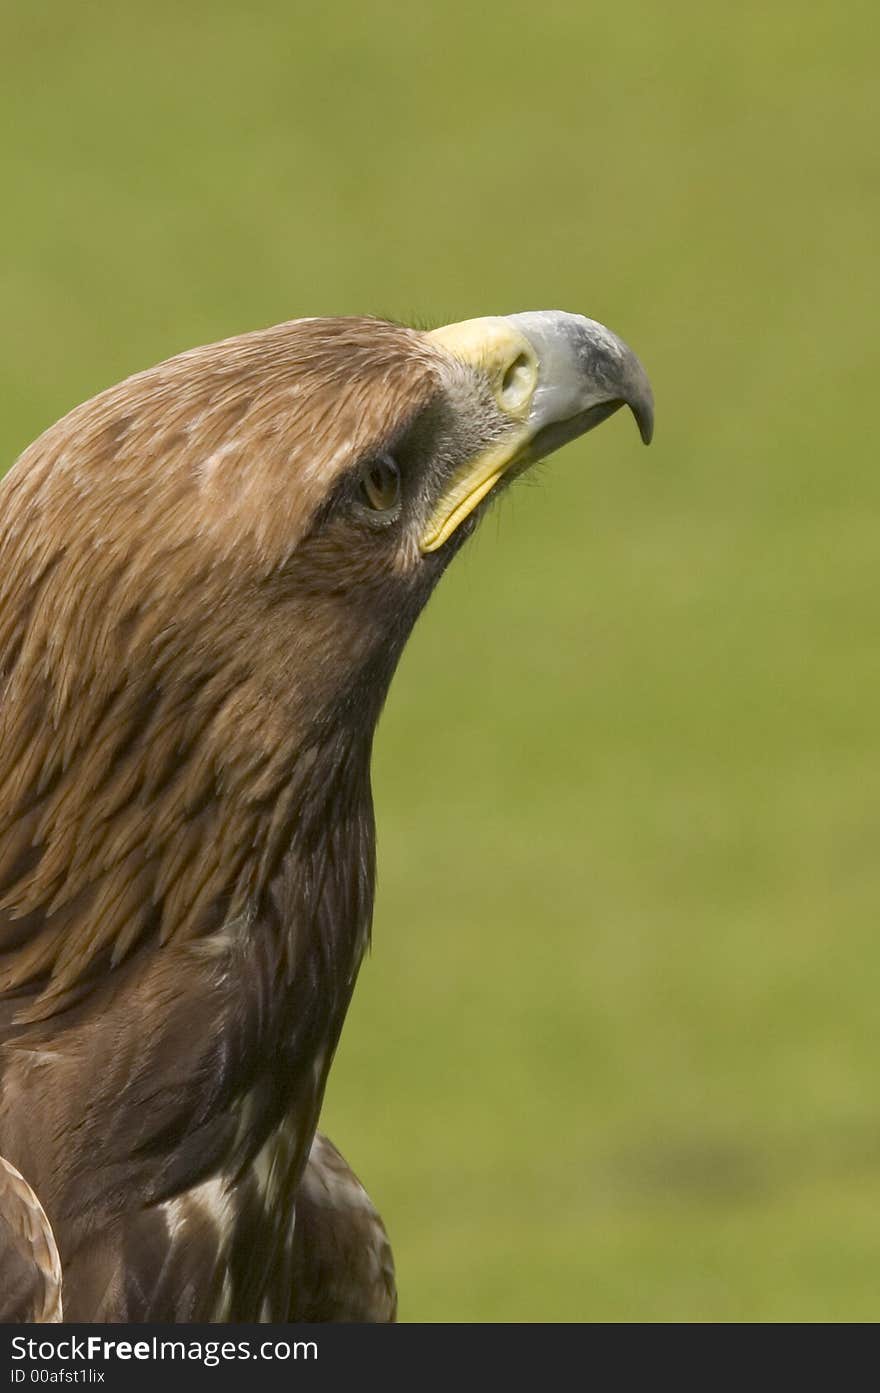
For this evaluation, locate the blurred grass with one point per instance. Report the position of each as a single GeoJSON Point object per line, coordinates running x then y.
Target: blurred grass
{"type": "Point", "coordinates": [615, 1054]}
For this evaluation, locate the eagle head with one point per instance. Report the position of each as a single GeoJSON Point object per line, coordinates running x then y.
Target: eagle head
{"type": "Point", "coordinates": [208, 574]}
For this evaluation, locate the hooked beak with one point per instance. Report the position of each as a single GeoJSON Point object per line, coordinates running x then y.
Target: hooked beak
{"type": "Point", "coordinates": [554, 376]}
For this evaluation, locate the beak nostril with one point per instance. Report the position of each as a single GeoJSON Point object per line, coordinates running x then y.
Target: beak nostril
{"type": "Point", "coordinates": [517, 383]}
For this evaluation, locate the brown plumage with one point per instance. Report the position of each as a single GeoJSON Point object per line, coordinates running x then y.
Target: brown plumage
{"type": "Point", "coordinates": [29, 1261]}
{"type": "Point", "coordinates": [202, 600]}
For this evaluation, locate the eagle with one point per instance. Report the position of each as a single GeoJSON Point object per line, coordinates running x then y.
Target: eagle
{"type": "Point", "coordinates": [207, 576]}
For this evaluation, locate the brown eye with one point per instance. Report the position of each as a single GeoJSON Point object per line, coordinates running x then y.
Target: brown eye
{"type": "Point", "coordinates": [380, 484]}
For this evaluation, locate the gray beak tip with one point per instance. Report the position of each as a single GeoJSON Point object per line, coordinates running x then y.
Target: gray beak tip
{"type": "Point", "coordinates": [638, 393]}
{"type": "Point", "coordinates": [588, 372]}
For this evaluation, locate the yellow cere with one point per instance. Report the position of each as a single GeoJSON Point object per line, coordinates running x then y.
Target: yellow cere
{"type": "Point", "coordinates": [508, 361]}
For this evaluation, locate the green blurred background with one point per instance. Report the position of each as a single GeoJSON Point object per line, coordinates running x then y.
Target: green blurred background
{"type": "Point", "coordinates": [615, 1054]}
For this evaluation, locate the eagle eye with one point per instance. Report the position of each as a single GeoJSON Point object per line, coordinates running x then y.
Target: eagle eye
{"type": "Point", "coordinates": [380, 484]}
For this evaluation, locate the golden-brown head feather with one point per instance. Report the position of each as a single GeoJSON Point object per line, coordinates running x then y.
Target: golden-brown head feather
{"type": "Point", "coordinates": [155, 657]}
